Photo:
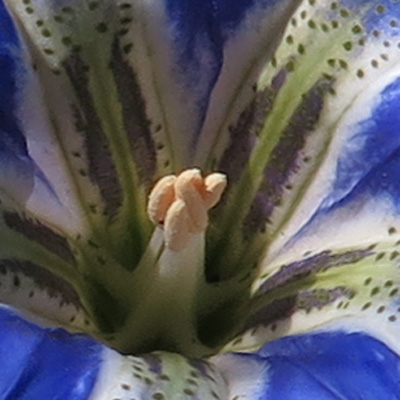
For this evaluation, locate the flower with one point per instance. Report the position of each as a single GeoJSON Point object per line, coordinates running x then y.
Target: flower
{"type": "Point", "coordinates": [288, 287]}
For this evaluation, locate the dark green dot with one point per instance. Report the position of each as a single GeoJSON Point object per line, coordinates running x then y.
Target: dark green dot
{"type": "Point", "coordinates": [348, 46]}
{"type": "Point", "coordinates": [356, 29]}
{"type": "Point", "coordinates": [311, 24]}
{"type": "Point", "coordinates": [46, 33]}
{"type": "Point", "coordinates": [127, 48]}
{"type": "Point", "coordinates": [126, 20]}
{"type": "Point", "coordinates": [375, 291]}
{"type": "Point", "coordinates": [93, 5]}
{"type": "Point", "coordinates": [48, 51]}
{"type": "Point", "coordinates": [324, 27]}
{"type": "Point", "coordinates": [29, 10]}
{"type": "Point", "coordinates": [367, 281]}
{"type": "Point", "coordinates": [301, 49]}
{"type": "Point", "coordinates": [380, 9]}
{"type": "Point", "coordinates": [17, 281]}
{"type": "Point", "coordinates": [123, 32]}
{"type": "Point", "coordinates": [66, 40]}
{"type": "Point", "coordinates": [331, 62]}
{"type": "Point", "coordinates": [366, 306]}
{"type": "Point", "coordinates": [101, 27]}
{"type": "Point", "coordinates": [290, 66]}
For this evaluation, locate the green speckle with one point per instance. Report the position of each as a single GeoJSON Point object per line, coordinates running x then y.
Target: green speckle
{"type": "Point", "coordinates": [127, 48]}
{"type": "Point", "coordinates": [101, 27]}
{"type": "Point", "coordinates": [290, 66]}
{"type": "Point", "coordinates": [375, 291]}
{"type": "Point", "coordinates": [366, 306]}
{"type": "Point", "coordinates": [301, 49]}
{"type": "Point", "coordinates": [380, 9]}
{"type": "Point", "coordinates": [66, 40]}
{"type": "Point", "coordinates": [344, 13]}
{"type": "Point", "coordinates": [46, 33]}
{"type": "Point", "coordinates": [311, 24]}
{"type": "Point", "coordinates": [348, 46]}
{"type": "Point", "coordinates": [93, 5]}
{"type": "Point", "coordinates": [126, 20]}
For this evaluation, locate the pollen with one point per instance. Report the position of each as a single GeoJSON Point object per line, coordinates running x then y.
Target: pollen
{"type": "Point", "coordinates": [180, 204]}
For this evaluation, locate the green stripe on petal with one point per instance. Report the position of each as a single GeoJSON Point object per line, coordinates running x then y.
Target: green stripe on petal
{"type": "Point", "coordinates": [337, 285]}
{"type": "Point", "coordinates": [292, 132]}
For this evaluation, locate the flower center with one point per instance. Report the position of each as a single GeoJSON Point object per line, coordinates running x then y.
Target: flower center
{"type": "Point", "coordinates": [179, 204]}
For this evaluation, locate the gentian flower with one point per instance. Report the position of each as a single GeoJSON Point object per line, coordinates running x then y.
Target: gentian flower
{"type": "Point", "coordinates": [199, 199]}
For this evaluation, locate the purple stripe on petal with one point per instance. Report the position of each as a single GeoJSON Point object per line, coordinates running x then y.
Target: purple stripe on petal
{"type": "Point", "coordinates": [44, 279]}
{"type": "Point", "coordinates": [311, 265]}
{"type": "Point", "coordinates": [243, 135]}
{"type": "Point", "coordinates": [284, 161]}
{"type": "Point", "coordinates": [137, 124]}
{"type": "Point", "coordinates": [102, 170]}
{"type": "Point", "coordinates": [36, 231]}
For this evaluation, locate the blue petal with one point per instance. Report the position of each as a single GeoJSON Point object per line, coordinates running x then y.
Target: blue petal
{"type": "Point", "coordinates": [322, 366]}
{"type": "Point", "coordinates": [45, 363]}
{"type": "Point", "coordinates": [372, 165]}
{"type": "Point", "coordinates": [331, 366]}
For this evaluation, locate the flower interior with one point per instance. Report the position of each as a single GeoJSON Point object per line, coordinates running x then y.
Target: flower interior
{"type": "Point", "coordinates": [169, 176]}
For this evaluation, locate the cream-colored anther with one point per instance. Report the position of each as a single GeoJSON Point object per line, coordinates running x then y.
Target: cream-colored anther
{"type": "Point", "coordinates": [180, 204]}
{"type": "Point", "coordinates": [161, 198]}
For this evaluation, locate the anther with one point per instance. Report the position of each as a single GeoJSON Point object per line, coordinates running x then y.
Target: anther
{"type": "Point", "coordinates": [179, 204]}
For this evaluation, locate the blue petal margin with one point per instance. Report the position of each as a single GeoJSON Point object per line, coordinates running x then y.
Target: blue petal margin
{"type": "Point", "coordinates": [331, 366]}
{"type": "Point", "coordinates": [38, 363]}
{"type": "Point", "coordinates": [11, 137]}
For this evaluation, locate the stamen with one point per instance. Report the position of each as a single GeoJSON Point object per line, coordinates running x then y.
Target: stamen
{"type": "Point", "coordinates": [179, 204]}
